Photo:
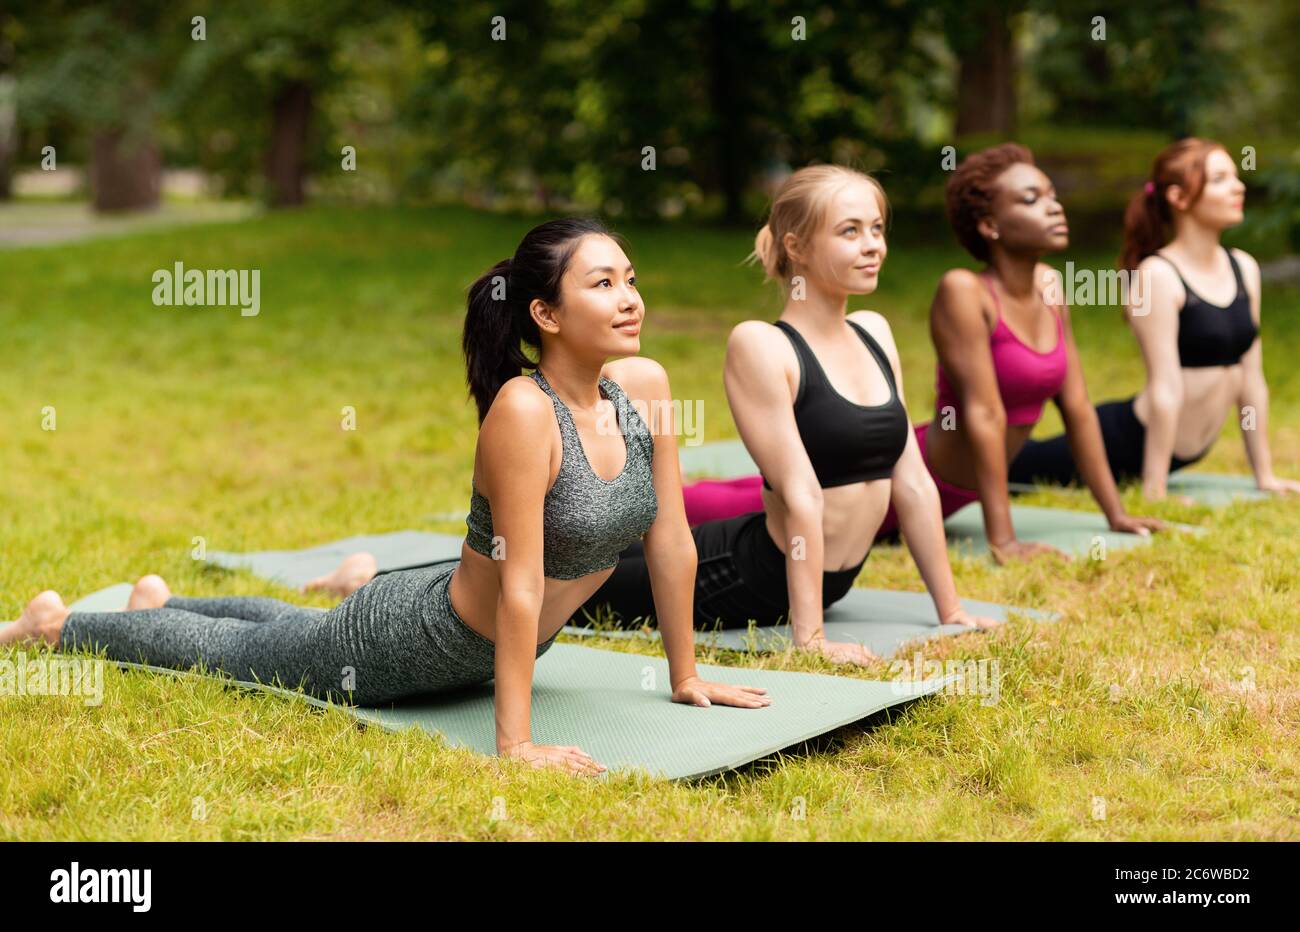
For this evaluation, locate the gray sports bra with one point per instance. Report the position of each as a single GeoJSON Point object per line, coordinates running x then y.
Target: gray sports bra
{"type": "Point", "coordinates": [586, 520]}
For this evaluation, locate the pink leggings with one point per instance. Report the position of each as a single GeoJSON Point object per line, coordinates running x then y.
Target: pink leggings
{"type": "Point", "coordinates": [716, 499]}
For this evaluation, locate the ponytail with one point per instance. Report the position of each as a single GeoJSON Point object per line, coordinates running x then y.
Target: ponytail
{"type": "Point", "coordinates": [763, 253]}
{"type": "Point", "coordinates": [1145, 221]}
{"type": "Point", "coordinates": [492, 336]}
{"type": "Point", "coordinates": [497, 316]}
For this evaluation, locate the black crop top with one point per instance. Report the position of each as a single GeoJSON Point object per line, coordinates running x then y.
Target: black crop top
{"type": "Point", "coordinates": [1212, 335]}
{"type": "Point", "coordinates": [845, 442]}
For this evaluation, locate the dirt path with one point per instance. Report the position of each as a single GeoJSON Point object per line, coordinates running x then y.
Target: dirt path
{"type": "Point", "coordinates": [35, 223]}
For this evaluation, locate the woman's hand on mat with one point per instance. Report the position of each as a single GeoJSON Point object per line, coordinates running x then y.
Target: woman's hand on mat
{"type": "Point", "coordinates": [1134, 524]}
{"type": "Point", "coordinates": [1025, 550]}
{"type": "Point", "coordinates": [568, 757]}
{"type": "Point", "coordinates": [1280, 486]}
{"type": "Point", "coordinates": [960, 616]}
{"type": "Point", "coordinates": [841, 651]}
{"type": "Point", "coordinates": [696, 691]}
{"type": "Point", "coordinates": [1153, 494]}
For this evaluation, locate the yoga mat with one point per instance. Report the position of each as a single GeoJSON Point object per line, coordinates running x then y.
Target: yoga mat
{"type": "Point", "coordinates": [728, 459]}
{"type": "Point", "coordinates": [1072, 531]}
{"type": "Point", "coordinates": [1205, 488]}
{"type": "Point", "coordinates": [1214, 488]}
{"type": "Point", "coordinates": [722, 459]}
{"type": "Point", "coordinates": [616, 707]}
{"type": "Point", "coordinates": [394, 551]}
{"type": "Point", "coordinates": [880, 619]}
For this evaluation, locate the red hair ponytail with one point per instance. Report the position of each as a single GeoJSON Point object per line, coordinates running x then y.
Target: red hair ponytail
{"type": "Point", "coordinates": [1148, 218]}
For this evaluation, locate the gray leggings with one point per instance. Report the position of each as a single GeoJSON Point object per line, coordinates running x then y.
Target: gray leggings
{"type": "Point", "coordinates": [396, 636]}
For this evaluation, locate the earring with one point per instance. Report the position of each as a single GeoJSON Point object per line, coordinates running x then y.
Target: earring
{"type": "Point", "coordinates": [995, 234]}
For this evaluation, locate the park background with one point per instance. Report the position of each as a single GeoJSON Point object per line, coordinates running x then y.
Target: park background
{"type": "Point", "coordinates": [176, 423]}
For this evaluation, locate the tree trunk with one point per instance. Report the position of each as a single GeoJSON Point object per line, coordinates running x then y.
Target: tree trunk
{"type": "Point", "coordinates": [286, 160]}
{"type": "Point", "coordinates": [986, 91]}
{"type": "Point", "coordinates": [727, 116]}
{"type": "Point", "coordinates": [1096, 64]}
{"type": "Point", "coordinates": [8, 112]}
{"type": "Point", "coordinates": [8, 134]}
{"type": "Point", "coordinates": [125, 171]}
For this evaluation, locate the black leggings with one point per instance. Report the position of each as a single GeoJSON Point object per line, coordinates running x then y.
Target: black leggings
{"type": "Point", "coordinates": [741, 577]}
{"type": "Point", "coordinates": [1050, 461]}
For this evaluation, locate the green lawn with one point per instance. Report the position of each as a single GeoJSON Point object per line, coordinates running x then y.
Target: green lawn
{"type": "Point", "coordinates": [1169, 690]}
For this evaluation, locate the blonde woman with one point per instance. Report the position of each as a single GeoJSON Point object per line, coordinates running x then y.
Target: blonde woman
{"type": "Point", "coordinates": [817, 398]}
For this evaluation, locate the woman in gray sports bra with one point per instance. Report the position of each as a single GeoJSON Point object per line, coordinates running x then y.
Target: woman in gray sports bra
{"type": "Point", "coordinates": [544, 530]}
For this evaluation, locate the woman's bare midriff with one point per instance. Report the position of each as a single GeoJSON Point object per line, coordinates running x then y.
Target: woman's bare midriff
{"type": "Point", "coordinates": [1209, 395]}
{"type": "Point", "coordinates": [953, 459]}
{"type": "Point", "coordinates": [851, 515]}
{"type": "Point", "coordinates": [476, 585]}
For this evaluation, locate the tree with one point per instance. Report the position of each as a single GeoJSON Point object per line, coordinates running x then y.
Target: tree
{"type": "Point", "coordinates": [1158, 64]}
{"type": "Point", "coordinates": [8, 108]}
{"type": "Point", "coordinates": [100, 67]}
{"type": "Point", "coordinates": [575, 108]}
{"type": "Point", "coordinates": [262, 70]}
{"type": "Point", "coordinates": [981, 34]}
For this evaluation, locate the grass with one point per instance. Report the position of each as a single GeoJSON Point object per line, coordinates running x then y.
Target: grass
{"type": "Point", "coordinates": [1168, 691]}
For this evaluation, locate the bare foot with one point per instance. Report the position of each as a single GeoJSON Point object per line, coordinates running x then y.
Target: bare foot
{"type": "Point", "coordinates": [350, 575]}
{"type": "Point", "coordinates": [149, 592]}
{"type": "Point", "coordinates": [42, 620]}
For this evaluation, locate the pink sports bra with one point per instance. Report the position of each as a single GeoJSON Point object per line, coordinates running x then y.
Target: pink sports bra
{"type": "Point", "coordinates": [1026, 377]}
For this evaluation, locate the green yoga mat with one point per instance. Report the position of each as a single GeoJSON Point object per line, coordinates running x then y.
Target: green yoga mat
{"type": "Point", "coordinates": [393, 551]}
{"type": "Point", "coordinates": [728, 459]}
{"type": "Point", "coordinates": [882, 620]}
{"type": "Point", "coordinates": [1203, 488]}
{"type": "Point", "coordinates": [722, 459]}
{"type": "Point", "coordinates": [1075, 532]}
{"type": "Point", "coordinates": [616, 707]}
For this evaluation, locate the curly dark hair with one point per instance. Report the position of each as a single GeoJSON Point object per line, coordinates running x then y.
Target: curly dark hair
{"type": "Point", "coordinates": [971, 189]}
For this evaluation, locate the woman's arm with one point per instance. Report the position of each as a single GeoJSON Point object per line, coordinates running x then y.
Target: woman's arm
{"type": "Point", "coordinates": [516, 467]}
{"type": "Point", "coordinates": [959, 329]}
{"type": "Point", "coordinates": [670, 552]}
{"type": "Point", "coordinates": [1252, 403]}
{"type": "Point", "coordinates": [916, 500]}
{"type": "Point", "coordinates": [1083, 431]}
{"type": "Point", "coordinates": [763, 408]}
{"type": "Point", "coordinates": [669, 547]}
{"type": "Point", "coordinates": [1154, 318]}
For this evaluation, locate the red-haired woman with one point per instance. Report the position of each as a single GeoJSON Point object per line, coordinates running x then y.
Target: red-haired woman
{"type": "Point", "coordinates": [1197, 323]}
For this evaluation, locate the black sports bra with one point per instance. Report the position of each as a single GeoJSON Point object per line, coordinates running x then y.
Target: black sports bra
{"type": "Point", "coordinates": [1212, 335]}
{"type": "Point", "coordinates": [845, 442]}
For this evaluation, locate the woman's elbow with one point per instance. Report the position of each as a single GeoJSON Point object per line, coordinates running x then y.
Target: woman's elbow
{"type": "Point", "coordinates": [913, 485]}
{"type": "Point", "coordinates": [679, 550]}
{"type": "Point", "coordinates": [1166, 399]}
{"type": "Point", "coordinates": [986, 420]}
{"type": "Point", "coordinates": [801, 500]}
{"type": "Point", "coordinates": [520, 600]}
